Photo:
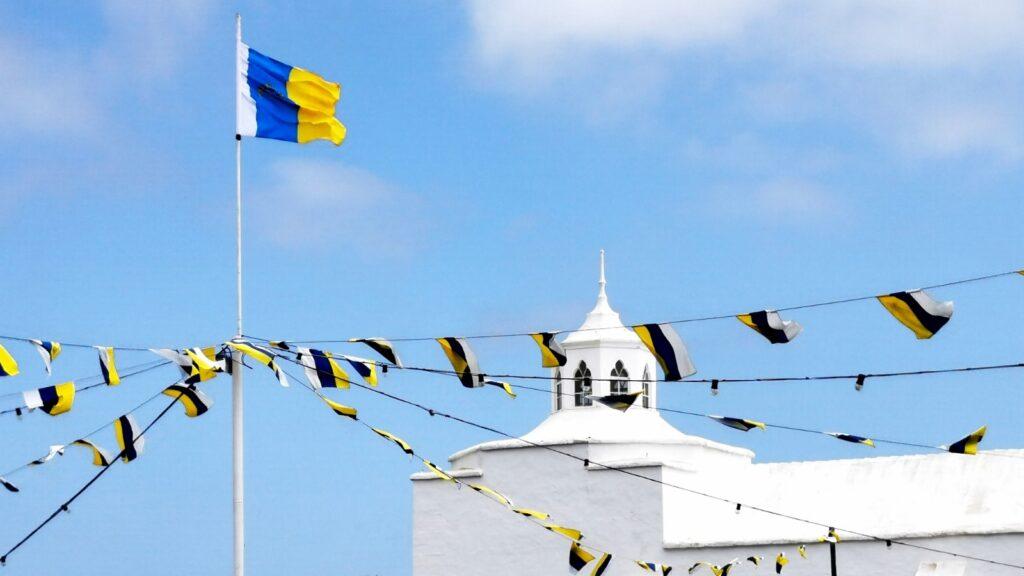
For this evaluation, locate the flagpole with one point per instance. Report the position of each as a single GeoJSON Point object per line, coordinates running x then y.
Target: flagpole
{"type": "Point", "coordinates": [237, 405]}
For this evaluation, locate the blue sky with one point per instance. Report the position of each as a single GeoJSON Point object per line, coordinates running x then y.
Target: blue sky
{"type": "Point", "coordinates": [729, 158]}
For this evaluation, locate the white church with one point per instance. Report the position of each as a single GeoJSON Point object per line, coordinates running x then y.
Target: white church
{"type": "Point", "coordinates": [973, 505]}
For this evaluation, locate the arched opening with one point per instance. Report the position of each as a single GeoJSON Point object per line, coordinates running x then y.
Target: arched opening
{"type": "Point", "coordinates": [558, 389]}
{"type": "Point", "coordinates": [583, 385]}
{"type": "Point", "coordinates": [619, 379]}
{"type": "Point", "coordinates": [646, 388]}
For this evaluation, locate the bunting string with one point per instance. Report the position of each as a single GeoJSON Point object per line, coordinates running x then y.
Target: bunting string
{"type": "Point", "coordinates": [683, 320]}
{"type": "Point", "coordinates": [731, 502]}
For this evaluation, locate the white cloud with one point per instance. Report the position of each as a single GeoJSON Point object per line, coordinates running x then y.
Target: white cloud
{"type": "Point", "coordinates": [330, 205]}
{"type": "Point", "coordinates": [885, 68]}
{"type": "Point", "coordinates": [778, 203]}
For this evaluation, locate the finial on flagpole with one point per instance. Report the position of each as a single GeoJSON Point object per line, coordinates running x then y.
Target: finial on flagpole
{"type": "Point", "coordinates": [601, 281]}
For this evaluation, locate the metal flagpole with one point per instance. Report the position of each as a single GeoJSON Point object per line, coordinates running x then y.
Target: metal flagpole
{"type": "Point", "coordinates": [237, 437]}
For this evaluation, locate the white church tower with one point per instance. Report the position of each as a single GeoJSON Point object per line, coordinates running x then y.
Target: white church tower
{"type": "Point", "coordinates": [974, 505]}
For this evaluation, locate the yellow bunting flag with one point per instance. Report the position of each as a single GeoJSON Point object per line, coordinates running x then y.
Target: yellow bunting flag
{"type": "Point", "coordinates": [463, 360]}
{"type": "Point", "coordinates": [504, 386]}
{"type": "Point", "coordinates": [620, 402]}
{"type": "Point", "coordinates": [578, 557]}
{"type": "Point", "coordinates": [438, 472]}
{"type": "Point", "coordinates": [366, 368]}
{"type": "Point", "coordinates": [53, 400]}
{"type": "Point", "coordinates": [741, 424]}
{"type": "Point", "coordinates": [969, 443]}
{"type": "Point", "coordinates": [780, 562]}
{"type": "Point", "coordinates": [552, 355]}
{"type": "Point", "coordinates": [8, 486]}
{"type": "Point", "coordinates": [494, 494]}
{"type": "Point", "coordinates": [401, 443]}
{"type": "Point", "coordinates": [852, 438]}
{"type": "Point", "coordinates": [48, 351]}
{"type": "Point", "coordinates": [322, 370]}
{"type": "Point", "coordinates": [769, 324]}
{"type": "Point", "coordinates": [570, 533]}
{"type": "Point", "coordinates": [802, 550]}
{"type": "Point", "coordinates": [108, 366]}
{"type": "Point", "coordinates": [8, 365]}
{"type": "Point", "coordinates": [129, 437]}
{"type": "Point", "coordinates": [602, 565]}
{"type": "Point", "coordinates": [100, 457]}
{"type": "Point", "coordinates": [918, 311]}
{"type": "Point", "coordinates": [261, 355]}
{"type": "Point", "coordinates": [532, 513]}
{"type": "Point", "coordinates": [668, 348]}
{"type": "Point", "coordinates": [755, 560]}
{"type": "Point", "coordinates": [340, 409]}
{"type": "Point", "coordinates": [195, 402]}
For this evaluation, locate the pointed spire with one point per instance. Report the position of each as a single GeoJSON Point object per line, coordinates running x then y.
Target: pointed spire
{"type": "Point", "coordinates": [601, 295]}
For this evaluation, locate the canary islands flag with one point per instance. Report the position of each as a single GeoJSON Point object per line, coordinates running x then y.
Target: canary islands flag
{"type": "Point", "coordinates": [284, 102]}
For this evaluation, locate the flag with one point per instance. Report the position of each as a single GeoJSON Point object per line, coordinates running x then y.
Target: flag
{"type": "Point", "coordinates": [366, 368]}
{"type": "Point", "coordinates": [693, 567]}
{"type": "Point", "coordinates": [665, 570]}
{"type": "Point", "coordinates": [278, 344]}
{"type": "Point", "coordinates": [755, 560]}
{"type": "Point", "coordinates": [463, 360]}
{"type": "Point", "coordinates": [195, 402]}
{"type": "Point", "coordinates": [802, 550]}
{"type": "Point", "coordinates": [48, 351]}
{"type": "Point", "coordinates": [668, 348]}
{"type": "Point", "coordinates": [602, 564]}
{"type": "Point", "coordinates": [769, 324]}
{"type": "Point", "coordinates": [780, 562]}
{"type": "Point", "coordinates": [494, 494]}
{"type": "Point", "coordinates": [830, 537]}
{"type": "Point", "coordinates": [741, 424]}
{"type": "Point", "coordinates": [532, 513]}
{"type": "Point", "coordinates": [196, 364]}
{"type": "Point", "coordinates": [852, 438]}
{"type": "Point", "coordinates": [283, 102]}
{"type": "Point", "coordinates": [108, 366]}
{"type": "Point", "coordinates": [620, 402]}
{"type": "Point", "coordinates": [570, 533]}
{"type": "Point", "coordinates": [55, 450]}
{"type": "Point", "coordinates": [261, 355]}
{"type": "Point", "coordinates": [341, 409]}
{"type": "Point", "coordinates": [438, 472]}
{"type": "Point", "coordinates": [969, 443]}
{"type": "Point", "coordinates": [918, 311]}
{"type": "Point", "coordinates": [129, 437]}
{"type": "Point", "coordinates": [321, 369]}
{"type": "Point", "coordinates": [504, 386]}
{"type": "Point", "coordinates": [10, 487]}
{"type": "Point", "coordinates": [578, 557]}
{"type": "Point", "coordinates": [53, 400]}
{"type": "Point", "coordinates": [382, 347]}
{"type": "Point", "coordinates": [552, 355]}
{"type": "Point", "coordinates": [8, 365]}
{"type": "Point", "coordinates": [100, 457]}
{"type": "Point", "coordinates": [401, 443]}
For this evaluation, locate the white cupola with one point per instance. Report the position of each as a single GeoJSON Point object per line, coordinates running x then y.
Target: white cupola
{"type": "Point", "coordinates": [603, 357]}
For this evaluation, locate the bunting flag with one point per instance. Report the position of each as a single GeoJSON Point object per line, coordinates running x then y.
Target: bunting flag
{"type": "Point", "coordinates": [261, 355]}
{"type": "Point", "coordinates": [504, 386]}
{"type": "Point", "coordinates": [769, 324]}
{"type": "Point", "coordinates": [755, 560]}
{"type": "Point", "coordinates": [100, 457]}
{"type": "Point", "coordinates": [552, 355]}
{"type": "Point", "coordinates": [693, 567]}
{"type": "Point", "coordinates": [463, 361]}
{"type": "Point", "coordinates": [283, 102]}
{"type": "Point", "coordinates": [969, 443]}
{"type": "Point", "coordinates": [665, 570]}
{"type": "Point", "coordinates": [341, 409]}
{"type": "Point", "coordinates": [852, 438]}
{"type": "Point", "coordinates": [438, 472]}
{"type": "Point", "coordinates": [578, 557]}
{"type": "Point", "coordinates": [48, 351]}
{"type": "Point", "coordinates": [53, 400]}
{"type": "Point", "coordinates": [195, 402]}
{"type": "Point", "coordinates": [780, 562]}
{"type": "Point", "coordinates": [108, 366]}
{"type": "Point", "coordinates": [196, 364]}
{"type": "Point", "coordinates": [532, 513]}
{"type": "Point", "coordinates": [668, 348]}
{"type": "Point", "coordinates": [56, 450]}
{"type": "Point", "coordinates": [830, 537]}
{"type": "Point", "coordinates": [570, 533]}
{"type": "Point", "coordinates": [382, 347]}
{"type": "Point", "coordinates": [129, 437]}
{"type": "Point", "coordinates": [652, 567]}
{"type": "Point", "coordinates": [322, 370]}
{"type": "Point", "coordinates": [10, 487]}
{"type": "Point", "coordinates": [279, 344]}
{"type": "Point", "coordinates": [802, 550]}
{"type": "Point", "coordinates": [388, 435]}
{"type": "Point", "coordinates": [918, 311]}
{"type": "Point", "coordinates": [602, 564]}
{"type": "Point", "coordinates": [8, 365]}
{"type": "Point", "coordinates": [724, 570]}
{"type": "Point", "coordinates": [741, 424]}
{"type": "Point", "coordinates": [493, 494]}
{"type": "Point", "coordinates": [367, 369]}
{"type": "Point", "coordinates": [620, 402]}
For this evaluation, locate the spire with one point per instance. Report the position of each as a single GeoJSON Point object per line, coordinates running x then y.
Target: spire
{"type": "Point", "coordinates": [602, 296]}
